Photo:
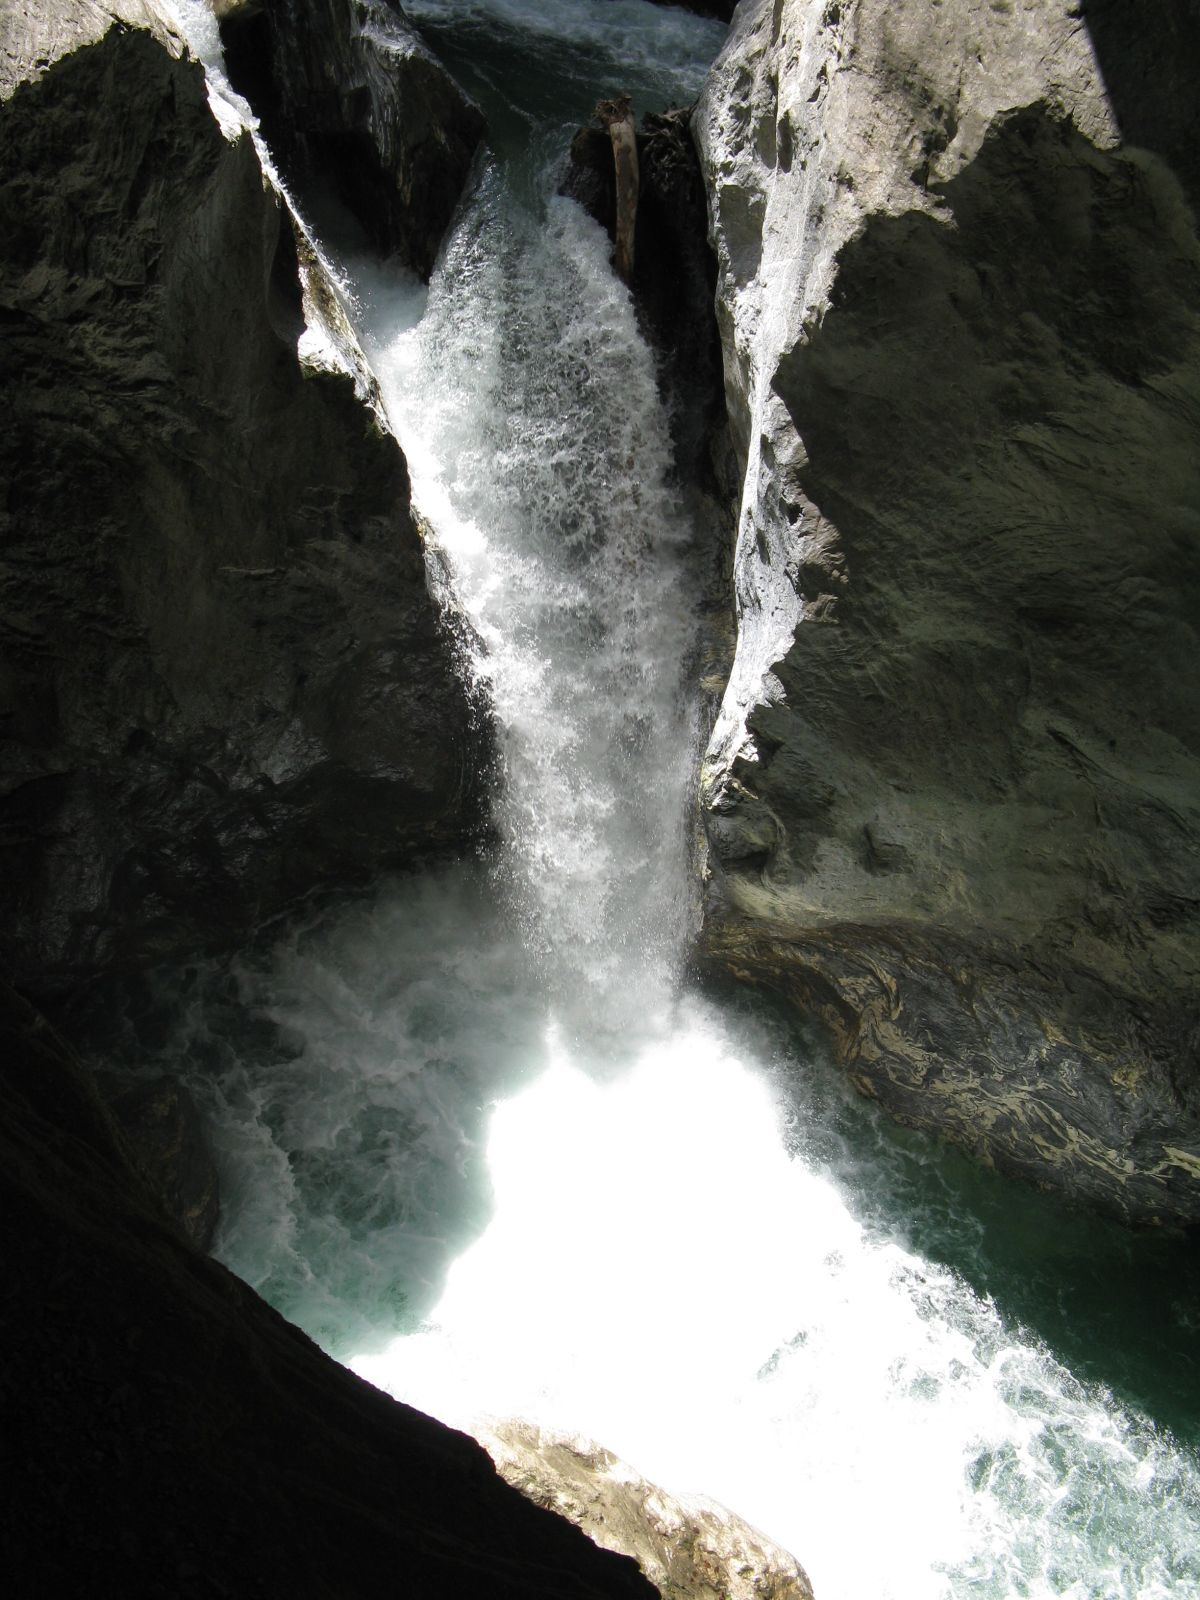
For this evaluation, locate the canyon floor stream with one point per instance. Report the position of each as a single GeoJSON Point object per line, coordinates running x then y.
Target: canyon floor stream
{"type": "Point", "coordinates": [485, 1139]}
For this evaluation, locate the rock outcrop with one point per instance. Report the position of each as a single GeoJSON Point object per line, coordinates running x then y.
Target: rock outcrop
{"type": "Point", "coordinates": [690, 1549]}
{"type": "Point", "coordinates": [166, 1433]}
{"type": "Point", "coordinates": [353, 104]}
{"type": "Point", "coordinates": [223, 682]}
{"type": "Point", "coordinates": [953, 797]}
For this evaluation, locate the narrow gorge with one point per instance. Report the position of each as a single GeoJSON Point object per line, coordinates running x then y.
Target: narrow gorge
{"type": "Point", "coordinates": [619, 848]}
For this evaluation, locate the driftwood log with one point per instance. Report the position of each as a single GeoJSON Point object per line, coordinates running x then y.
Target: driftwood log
{"type": "Point", "coordinates": [617, 116]}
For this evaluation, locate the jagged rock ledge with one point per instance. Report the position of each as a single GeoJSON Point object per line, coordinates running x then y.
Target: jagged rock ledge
{"type": "Point", "coordinates": [223, 682]}
{"type": "Point", "coordinates": [953, 797]}
{"type": "Point", "coordinates": [355, 106]}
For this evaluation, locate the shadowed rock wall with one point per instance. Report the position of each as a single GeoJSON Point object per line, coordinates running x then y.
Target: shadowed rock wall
{"type": "Point", "coordinates": [354, 105]}
{"type": "Point", "coordinates": [953, 800]}
{"type": "Point", "coordinates": [223, 682]}
{"type": "Point", "coordinates": [166, 1433]}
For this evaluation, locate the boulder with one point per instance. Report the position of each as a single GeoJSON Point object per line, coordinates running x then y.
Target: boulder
{"type": "Point", "coordinates": [689, 1548]}
{"type": "Point", "coordinates": [354, 104]}
{"type": "Point", "coordinates": [953, 796]}
{"type": "Point", "coordinates": [223, 681]}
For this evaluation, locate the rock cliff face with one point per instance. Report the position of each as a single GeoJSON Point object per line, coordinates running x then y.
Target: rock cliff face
{"type": "Point", "coordinates": [222, 680]}
{"type": "Point", "coordinates": [166, 1433]}
{"type": "Point", "coordinates": [953, 797]}
{"type": "Point", "coordinates": [354, 105]}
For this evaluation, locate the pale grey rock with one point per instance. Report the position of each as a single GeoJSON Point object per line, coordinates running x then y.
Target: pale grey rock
{"type": "Point", "coordinates": [223, 682]}
{"type": "Point", "coordinates": [690, 1548]}
{"type": "Point", "coordinates": [953, 795]}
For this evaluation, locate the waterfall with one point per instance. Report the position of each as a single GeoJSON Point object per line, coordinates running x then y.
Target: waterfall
{"type": "Point", "coordinates": [540, 454]}
{"type": "Point", "coordinates": [477, 1134]}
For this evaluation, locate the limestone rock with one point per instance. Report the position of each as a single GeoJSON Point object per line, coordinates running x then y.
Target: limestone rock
{"type": "Point", "coordinates": [223, 683]}
{"type": "Point", "coordinates": [166, 1432]}
{"type": "Point", "coordinates": [689, 1548]}
{"type": "Point", "coordinates": [953, 797]}
{"type": "Point", "coordinates": [353, 102]}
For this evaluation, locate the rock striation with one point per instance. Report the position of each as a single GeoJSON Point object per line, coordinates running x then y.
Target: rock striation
{"type": "Point", "coordinates": [166, 1433]}
{"type": "Point", "coordinates": [953, 796]}
{"type": "Point", "coordinates": [223, 682]}
{"type": "Point", "coordinates": [689, 1548]}
{"type": "Point", "coordinates": [354, 105]}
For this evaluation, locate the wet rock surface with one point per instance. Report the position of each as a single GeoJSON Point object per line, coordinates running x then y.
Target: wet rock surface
{"type": "Point", "coordinates": [223, 683]}
{"type": "Point", "coordinates": [951, 800]}
{"type": "Point", "coordinates": [354, 104]}
{"type": "Point", "coordinates": [166, 1433]}
{"type": "Point", "coordinates": [689, 1548]}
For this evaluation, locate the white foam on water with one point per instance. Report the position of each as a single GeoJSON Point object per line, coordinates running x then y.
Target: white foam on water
{"type": "Point", "coordinates": [661, 1274]}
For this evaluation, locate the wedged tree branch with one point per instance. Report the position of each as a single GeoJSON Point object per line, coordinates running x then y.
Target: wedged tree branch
{"type": "Point", "coordinates": [617, 116]}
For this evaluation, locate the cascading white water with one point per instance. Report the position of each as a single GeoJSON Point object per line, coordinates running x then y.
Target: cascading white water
{"type": "Point", "coordinates": [679, 1258]}
{"type": "Point", "coordinates": [540, 454]}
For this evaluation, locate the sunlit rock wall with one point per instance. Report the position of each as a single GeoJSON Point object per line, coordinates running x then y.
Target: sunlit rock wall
{"type": "Point", "coordinates": [953, 797]}
{"type": "Point", "coordinates": [223, 683]}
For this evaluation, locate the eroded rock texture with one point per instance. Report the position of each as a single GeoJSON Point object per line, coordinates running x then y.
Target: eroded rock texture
{"type": "Point", "coordinates": [353, 104]}
{"type": "Point", "coordinates": [953, 799]}
{"type": "Point", "coordinates": [166, 1433]}
{"type": "Point", "coordinates": [690, 1548]}
{"type": "Point", "coordinates": [222, 680]}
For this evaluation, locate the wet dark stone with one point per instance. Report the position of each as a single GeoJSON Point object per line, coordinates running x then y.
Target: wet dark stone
{"type": "Point", "coordinates": [356, 105]}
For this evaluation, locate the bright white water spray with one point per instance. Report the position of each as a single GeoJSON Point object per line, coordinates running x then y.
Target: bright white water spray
{"type": "Point", "coordinates": [666, 1267]}
{"type": "Point", "coordinates": [540, 454]}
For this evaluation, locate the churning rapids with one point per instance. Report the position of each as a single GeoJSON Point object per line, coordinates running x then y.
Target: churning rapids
{"type": "Point", "coordinates": [481, 1139]}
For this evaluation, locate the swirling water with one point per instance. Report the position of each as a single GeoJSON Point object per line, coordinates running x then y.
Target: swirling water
{"type": "Point", "coordinates": [481, 1138]}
